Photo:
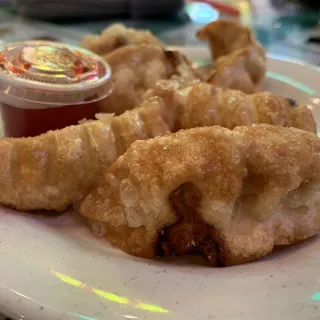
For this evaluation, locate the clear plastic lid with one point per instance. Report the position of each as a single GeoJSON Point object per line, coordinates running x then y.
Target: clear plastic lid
{"type": "Point", "coordinates": [52, 74]}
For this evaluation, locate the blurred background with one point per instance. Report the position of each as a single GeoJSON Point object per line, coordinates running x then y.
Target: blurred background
{"type": "Point", "coordinates": [285, 27]}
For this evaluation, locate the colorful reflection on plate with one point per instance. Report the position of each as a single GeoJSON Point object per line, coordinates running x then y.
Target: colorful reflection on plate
{"type": "Point", "coordinates": [108, 295]}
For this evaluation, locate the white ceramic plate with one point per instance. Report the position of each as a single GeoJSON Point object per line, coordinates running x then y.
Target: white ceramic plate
{"type": "Point", "coordinates": [54, 268]}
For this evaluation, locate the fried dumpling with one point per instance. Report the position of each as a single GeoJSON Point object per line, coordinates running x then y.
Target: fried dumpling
{"type": "Point", "coordinates": [242, 70]}
{"type": "Point", "coordinates": [56, 169]}
{"type": "Point", "coordinates": [239, 59]}
{"type": "Point", "coordinates": [207, 105]}
{"type": "Point", "coordinates": [136, 69]}
{"type": "Point", "coordinates": [226, 37]}
{"type": "Point", "coordinates": [116, 36]}
{"type": "Point", "coordinates": [230, 196]}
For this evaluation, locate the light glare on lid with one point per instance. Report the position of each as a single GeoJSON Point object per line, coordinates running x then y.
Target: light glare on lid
{"type": "Point", "coordinates": [50, 62]}
{"type": "Point", "coordinates": [52, 73]}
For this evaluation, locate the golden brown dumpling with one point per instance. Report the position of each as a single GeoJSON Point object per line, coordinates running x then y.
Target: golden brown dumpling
{"type": "Point", "coordinates": [230, 196]}
{"type": "Point", "coordinates": [239, 59]}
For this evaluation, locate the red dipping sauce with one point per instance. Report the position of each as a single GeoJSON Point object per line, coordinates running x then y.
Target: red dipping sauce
{"type": "Point", "coordinates": [46, 86]}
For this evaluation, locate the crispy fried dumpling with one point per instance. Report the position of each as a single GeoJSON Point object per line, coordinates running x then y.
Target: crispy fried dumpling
{"type": "Point", "coordinates": [136, 69]}
{"type": "Point", "coordinates": [230, 196]}
{"type": "Point", "coordinates": [56, 169]}
{"type": "Point", "coordinates": [116, 36]}
{"type": "Point", "coordinates": [239, 59]}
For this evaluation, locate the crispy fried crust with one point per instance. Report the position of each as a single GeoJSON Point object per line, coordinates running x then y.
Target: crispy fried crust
{"type": "Point", "coordinates": [240, 61]}
{"type": "Point", "coordinates": [226, 37]}
{"type": "Point", "coordinates": [135, 69]}
{"type": "Point", "coordinates": [56, 169]}
{"type": "Point", "coordinates": [206, 105]}
{"type": "Point", "coordinates": [138, 61]}
{"type": "Point", "coordinates": [228, 195]}
{"type": "Point", "coordinates": [242, 70]}
{"type": "Point", "coordinates": [116, 36]}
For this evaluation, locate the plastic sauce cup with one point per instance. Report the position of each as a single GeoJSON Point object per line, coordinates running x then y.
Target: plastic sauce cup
{"type": "Point", "coordinates": [48, 85]}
